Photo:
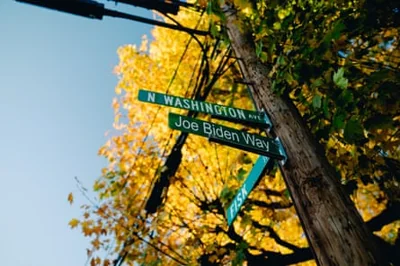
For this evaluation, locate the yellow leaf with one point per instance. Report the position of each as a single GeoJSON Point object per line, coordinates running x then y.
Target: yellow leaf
{"type": "Point", "coordinates": [277, 26]}
{"type": "Point", "coordinates": [70, 198]}
{"type": "Point", "coordinates": [73, 223]}
{"type": "Point", "coordinates": [282, 13]}
{"type": "Point", "coordinates": [96, 243]}
{"type": "Point", "coordinates": [87, 231]}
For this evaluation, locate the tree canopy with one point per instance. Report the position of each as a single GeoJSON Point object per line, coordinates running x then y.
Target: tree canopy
{"type": "Point", "coordinates": [339, 64]}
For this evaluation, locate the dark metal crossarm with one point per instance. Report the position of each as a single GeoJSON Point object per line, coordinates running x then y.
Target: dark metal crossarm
{"type": "Point", "coordinates": [95, 10]}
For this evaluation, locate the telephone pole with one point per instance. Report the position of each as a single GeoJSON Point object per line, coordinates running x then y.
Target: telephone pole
{"type": "Point", "coordinates": [335, 231]}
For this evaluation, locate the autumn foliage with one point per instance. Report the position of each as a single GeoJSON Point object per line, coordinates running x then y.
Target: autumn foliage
{"type": "Point", "coordinates": [339, 64]}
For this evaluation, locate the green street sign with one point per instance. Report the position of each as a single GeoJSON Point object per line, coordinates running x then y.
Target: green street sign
{"type": "Point", "coordinates": [227, 136]}
{"type": "Point", "coordinates": [248, 185]}
{"type": "Point", "coordinates": [216, 110]}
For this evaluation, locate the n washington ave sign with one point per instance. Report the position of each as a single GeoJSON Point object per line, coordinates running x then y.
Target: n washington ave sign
{"type": "Point", "coordinates": [227, 136]}
{"type": "Point", "coordinates": [219, 111]}
{"type": "Point", "coordinates": [266, 147]}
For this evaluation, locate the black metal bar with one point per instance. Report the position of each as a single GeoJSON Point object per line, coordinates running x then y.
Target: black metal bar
{"type": "Point", "coordinates": [95, 10]}
{"type": "Point", "coordinates": [114, 13]}
{"type": "Point", "coordinates": [85, 8]}
{"type": "Point", "coordinates": [159, 5]}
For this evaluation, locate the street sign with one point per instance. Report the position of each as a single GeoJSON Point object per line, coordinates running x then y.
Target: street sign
{"type": "Point", "coordinates": [219, 111]}
{"type": "Point", "coordinates": [226, 135]}
{"type": "Point", "coordinates": [245, 189]}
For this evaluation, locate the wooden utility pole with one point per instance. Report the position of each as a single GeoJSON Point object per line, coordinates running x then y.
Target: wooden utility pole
{"type": "Point", "coordinates": [335, 230]}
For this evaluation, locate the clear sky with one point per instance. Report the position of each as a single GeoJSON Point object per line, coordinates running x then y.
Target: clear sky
{"type": "Point", "coordinates": [56, 89]}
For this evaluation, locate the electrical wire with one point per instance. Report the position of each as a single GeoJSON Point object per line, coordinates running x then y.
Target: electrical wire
{"type": "Point", "coordinates": [159, 107]}
{"type": "Point", "coordinates": [120, 259]}
{"type": "Point", "coordinates": [168, 88]}
{"type": "Point", "coordinates": [205, 73]}
{"type": "Point", "coordinates": [115, 13]}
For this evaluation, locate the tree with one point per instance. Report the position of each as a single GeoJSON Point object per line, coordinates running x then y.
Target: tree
{"type": "Point", "coordinates": [342, 98]}
{"type": "Point", "coordinates": [335, 230]}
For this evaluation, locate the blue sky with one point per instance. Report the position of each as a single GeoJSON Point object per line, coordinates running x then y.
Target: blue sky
{"type": "Point", "coordinates": [56, 88]}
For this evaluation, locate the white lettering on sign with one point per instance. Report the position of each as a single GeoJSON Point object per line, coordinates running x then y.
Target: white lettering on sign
{"type": "Point", "coordinates": [169, 100]}
{"type": "Point", "coordinates": [186, 103]}
{"type": "Point", "coordinates": [195, 105]}
{"type": "Point", "coordinates": [217, 110]}
{"type": "Point", "coordinates": [187, 124]}
{"type": "Point", "coordinates": [151, 97]}
{"type": "Point", "coordinates": [255, 117]}
{"type": "Point", "coordinates": [238, 201]}
{"type": "Point", "coordinates": [178, 103]}
{"type": "Point", "coordinates": [241, 114]}
{"type": "Point", "coordinates": [218, 131]}
{"type": "Point", "coordinates": [209, 108]}
{"type": "Point", "coordinates": [232, 112]}
{"type": "Point", "coordinates": [222, 109]}
{"type": "Point", "coordinates": [227, 134]}
{"type": "Point", "coordinates": [202, 106]}
{"type": "Point", "coordinates": [253, 140]}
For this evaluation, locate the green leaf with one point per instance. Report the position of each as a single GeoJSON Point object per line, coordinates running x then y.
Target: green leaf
{"type": "Point", "coordinates": [214, 29]}
{"type": "Point", "coordinates": [342, 83]}
{"type": "Point", "coordinates": [241, 174]}
{"type": "Point", "coordinates": [263, 57]}
{"type": "Point", "coordinates": [339, 27]}
{"type": "Point", "coordinates": [110, 175]}
{"type": "Point", "coordinates": [247, 159]}
{"type": "Point", "coordinates": [239, 258]}
{"type": "Point", "coordinates": [209, 8]}
{"type": "Point", "coordinates": [286, 193]}
{"type": "Point", "coordinates": [225, 192]}
{"type": "Point", "coordinates": [277, 26]}
{"type": "Point", "coordinates": [289, 77]}
{"type": "Point", "coordinates": [246, 220]}
{"type": "Point", "coordinates": [338, 120]}
{"type": "Point", "coordinates": [316, 101]}
{"type": "Point", "coordinates": [259, 46]}
{"type": "Point", "coordinates": [243, 245]}
{"type": "Point", "coordinates": [273, 85]}
{"type": "Point", "coordinates": [339, 80]}
{"type": "Point", "coordinates": [316, 83]}
{"type": "Point", "coordinates": [325, 108]}
{"type": "Point", "coordinates": [281, 60]}
{"type": "Point", "coordinates": [214, 8]}
{"type": "Point", "coordinates": [353, 131]}
{"type": "Point", "coordinates": [344, 98]}
{"type": "Point", "coordinates": [271, 49]}
{"type": "Point", "coordinates": [335, 32]}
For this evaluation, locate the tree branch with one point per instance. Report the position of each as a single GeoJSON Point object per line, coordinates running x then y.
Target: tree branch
{"type": "Point", "coordinates": [275, 236]}
{"type": "Point", "coordinates": [278, 259]}
{"type": "Point", "coordinates": [272, 205]}
{"type": "Point", "coordinates": [389, 215]}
